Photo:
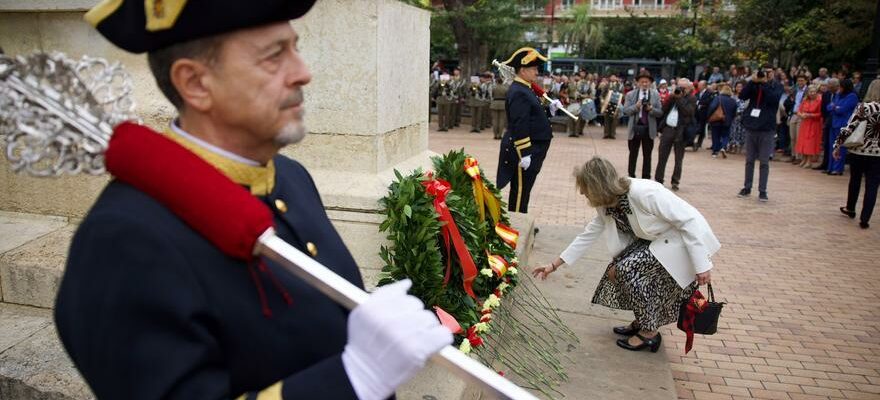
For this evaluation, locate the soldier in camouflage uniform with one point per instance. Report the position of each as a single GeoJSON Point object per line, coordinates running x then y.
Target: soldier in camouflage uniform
{"type": "Point", "coordinates": [457, 84]}
{"type": "Point", "coordinates": [445, 97]}
{"type": "Point", "coordinates": [497, 108]}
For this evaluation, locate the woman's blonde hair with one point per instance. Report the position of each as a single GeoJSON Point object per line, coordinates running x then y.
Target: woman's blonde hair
{"type": "Point", "coordinates": [725, 90]}
{"type": "Point", "coordinates": [873, 93]}
{"type": "Point", "coordinates": [598, 180]}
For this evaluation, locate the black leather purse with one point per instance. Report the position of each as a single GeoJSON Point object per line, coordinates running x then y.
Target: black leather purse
{"type": "Point", "coordinates": [705, 322]}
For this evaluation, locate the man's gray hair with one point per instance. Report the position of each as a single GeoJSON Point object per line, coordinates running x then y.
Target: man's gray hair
{"type": "Point", "coordinates": [204, 49]}
{"type": "Point", "coordinates": [834, 82]}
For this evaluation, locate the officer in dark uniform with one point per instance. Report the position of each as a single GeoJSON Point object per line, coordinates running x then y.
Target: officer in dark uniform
{"type": "Point", "coordinates": [148, 308]}
{"type": "Point", "coordinates": [528, 135]}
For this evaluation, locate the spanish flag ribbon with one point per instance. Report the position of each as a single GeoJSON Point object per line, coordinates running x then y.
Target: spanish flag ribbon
{"type": "Point", "coordinates": [498, 264]}
{"type": "Point", "coordinates": [507, 234]}
{"type": "Point", "coordinates": [482, 195]}
{"type": "Point", "coordinates": [439, 188]}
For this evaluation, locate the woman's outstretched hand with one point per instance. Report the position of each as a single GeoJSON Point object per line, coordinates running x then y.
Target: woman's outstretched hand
{"type": "Point", "coordinates": [704, 278]}
{"type": "Point", "coordinates": [542, 272]}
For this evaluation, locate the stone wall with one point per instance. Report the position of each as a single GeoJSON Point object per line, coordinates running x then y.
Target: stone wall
{"type": "Point", "coordinates": [363, 121]}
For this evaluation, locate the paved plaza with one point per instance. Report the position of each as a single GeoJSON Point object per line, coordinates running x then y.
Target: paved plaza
{"type": "Point", "coordinates": [800, 279]}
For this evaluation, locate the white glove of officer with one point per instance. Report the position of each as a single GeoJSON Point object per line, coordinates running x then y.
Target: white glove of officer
{"type": "Point", "coordinates": [555, 105]}
{"type": "Point", "coordinates": [525, 162]}
{"type": "Point", "coordinates": [390, 337]}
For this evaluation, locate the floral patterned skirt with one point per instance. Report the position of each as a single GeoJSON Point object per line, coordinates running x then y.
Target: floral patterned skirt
{"type": "Point", "coordinates": [642, 286]}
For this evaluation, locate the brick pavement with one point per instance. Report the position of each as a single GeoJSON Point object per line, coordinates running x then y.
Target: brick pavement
{"type": "Point", "coordinates": [800, 279]}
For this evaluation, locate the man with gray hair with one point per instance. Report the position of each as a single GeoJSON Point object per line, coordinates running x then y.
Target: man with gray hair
{"type": "Point", "coordinates": [678, 114]}
{"type": "Point", "coordinates": [833, 86]}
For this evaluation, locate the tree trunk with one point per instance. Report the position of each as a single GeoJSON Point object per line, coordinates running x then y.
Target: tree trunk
{"type": "Point", "coordinates": [469, 47]}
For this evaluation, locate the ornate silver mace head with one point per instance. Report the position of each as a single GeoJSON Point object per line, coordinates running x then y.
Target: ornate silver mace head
{"type": "Point", "coordinates": [57, 114]}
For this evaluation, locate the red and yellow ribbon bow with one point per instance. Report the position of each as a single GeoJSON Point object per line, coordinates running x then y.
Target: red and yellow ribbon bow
{"type": "Point", "coordinates": [482, 195]}
{"type": "Point", "coordinates": [507, 234]}
{"type": "Point", "coordinates": [439, 188]}
{"type": "Point", "coordinates": [498, 264]}
{"type": "Point", "coordinates": [695, 305]}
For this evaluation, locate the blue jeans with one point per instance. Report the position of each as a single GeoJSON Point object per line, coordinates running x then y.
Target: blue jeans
{"type": "Point", "coordinates": [836, 165]}
{"type": "Point", "coordinates": [720, 137]}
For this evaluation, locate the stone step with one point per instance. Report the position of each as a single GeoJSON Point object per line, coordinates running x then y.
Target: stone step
{"type": "Point", "coordinates": [33, 249]}
{"type": "Point", "coordinates": [33, 365]}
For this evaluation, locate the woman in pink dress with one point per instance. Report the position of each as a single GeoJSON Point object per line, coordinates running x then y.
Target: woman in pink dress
{"type": "Point", "coordinates": [810, 132]}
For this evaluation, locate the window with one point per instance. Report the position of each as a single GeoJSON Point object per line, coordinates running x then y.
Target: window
{"type": "Point", "coordinates": [567, 4]}
{"type": "Point", "coordinates": [607, 4]}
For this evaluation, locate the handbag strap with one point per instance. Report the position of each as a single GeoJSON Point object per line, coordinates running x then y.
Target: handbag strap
{"type": "Point", "coordinates": [711, 294]}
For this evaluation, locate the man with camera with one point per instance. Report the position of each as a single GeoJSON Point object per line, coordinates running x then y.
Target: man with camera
{"type": "Point", "coordinates": [643, 108]}
{"type": "Point", "coordinates": [678, 115]}
{"type": "Point", "coordinates": [762, 92]}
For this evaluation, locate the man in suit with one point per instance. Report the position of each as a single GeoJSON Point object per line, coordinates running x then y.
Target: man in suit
{"type": "Point", "coordinates": [643, 107]}
{"type": "Point", "coordinates": [706, 93]}
{"type": "Point", "coordinates": [832, 87]}
{"type": "Point", "coordinates": [763, 92]}
{"type": "Point", "coordinates": [149, 308]}
{"type": "Point", "coordinates": [678, 115]}
{"type": "Point", "coordinates": [527, 140]}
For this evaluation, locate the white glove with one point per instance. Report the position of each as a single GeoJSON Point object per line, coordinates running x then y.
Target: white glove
{"type": "Point", "coordinates": [525, 162]}
{"type": "Point", "coordinates": [555, 105]}
{"type": "Point", "coordinates": [390, 336]}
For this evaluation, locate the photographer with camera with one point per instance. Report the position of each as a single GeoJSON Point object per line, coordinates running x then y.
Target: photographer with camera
{"type": "Point", "coordinates": [677, 115]}
{"type": "Point", "coordinates": [643, 107]}
{"type": "Point", "coordinates": [763, 92]}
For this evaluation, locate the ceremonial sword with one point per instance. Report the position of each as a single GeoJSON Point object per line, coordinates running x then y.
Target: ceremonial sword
{"type": "Point", "coordinates": [57, 116]}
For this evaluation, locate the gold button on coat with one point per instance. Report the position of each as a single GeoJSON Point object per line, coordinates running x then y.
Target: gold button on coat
{"type": "Point", "coordinates": [313, 250]}
{"type": "Point", "coordinates": [280, 205]}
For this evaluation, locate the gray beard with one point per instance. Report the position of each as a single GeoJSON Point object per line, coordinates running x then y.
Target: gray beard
{"type": "Point", "coordinates": [291, 133]}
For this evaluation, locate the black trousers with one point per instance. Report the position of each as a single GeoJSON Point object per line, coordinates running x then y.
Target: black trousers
{"type": "Point", "coordinates": [701, 133]}
{"type": "Point", "coordinates": [641, 139]}
{"type": "Point", "coordinates": [671, 138]}
{"type": "Point", "coordinates": [869, 167]}
{"type": "Point", "coordinates": [522, 183]}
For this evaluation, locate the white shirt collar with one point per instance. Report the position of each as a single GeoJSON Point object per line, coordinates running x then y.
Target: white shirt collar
{"type": "Point", "coordinates": [211, 147]}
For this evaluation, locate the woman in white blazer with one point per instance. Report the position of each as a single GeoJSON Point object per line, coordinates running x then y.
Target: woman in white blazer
{"type": "Point", "coordinates": [662, 247]}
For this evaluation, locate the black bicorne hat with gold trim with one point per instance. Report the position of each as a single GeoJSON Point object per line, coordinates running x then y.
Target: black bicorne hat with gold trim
{"type": "Point", "coordinates": [140, 26]}
{"type": "Point", "coordinates": [525, 57]}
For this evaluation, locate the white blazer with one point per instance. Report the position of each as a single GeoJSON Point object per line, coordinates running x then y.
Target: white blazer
{"type": "Point", "coordinates": [681, 239]}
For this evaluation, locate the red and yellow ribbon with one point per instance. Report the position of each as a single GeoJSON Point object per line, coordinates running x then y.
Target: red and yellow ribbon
{"type": "Point", "coordinates": [439, 188]}
{"type": "Point", "coordinates": [507, 234]}
{"type": "Point", "coordinates": [482, 195]}
{"type": "Point", "coordinates": [498, 264]}
{"type": "Point", "coordinates": [695, 305]}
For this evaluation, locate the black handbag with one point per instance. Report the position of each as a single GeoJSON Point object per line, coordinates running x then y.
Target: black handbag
{"type": "Point", "coordinates": [705, 322]}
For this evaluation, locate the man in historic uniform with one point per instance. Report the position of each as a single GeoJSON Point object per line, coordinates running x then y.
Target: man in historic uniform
{"type": "Point", "coordinates": [528, 135]}
{"type": "Point", "coordinates": [149, 308]}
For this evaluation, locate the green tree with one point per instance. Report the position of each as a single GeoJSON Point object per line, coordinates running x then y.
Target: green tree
{"type": "Point", "coordinates": [476, 30]}
{"type": "Point", "coordinates": [582, 35]}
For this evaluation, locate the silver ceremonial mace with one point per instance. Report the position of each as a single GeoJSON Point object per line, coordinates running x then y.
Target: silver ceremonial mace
{"type": "Point", "coordinates": [508, 75]}
{"type": "Point", "coordinates": [57, 116]}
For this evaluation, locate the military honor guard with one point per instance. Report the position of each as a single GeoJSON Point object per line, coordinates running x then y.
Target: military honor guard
{"type": "Point", "coordinates": [527, 140]}
{"type": "Point", "coordinates": [497, 108]}
{"type": "Point", "coordinates": [148, 308]}
{"type": "Point", "coordinates": [611, 104]}
{"type": "Point", "coordinates": [458, 85]}
{"type": "Point", "coordinates": [444, 97]}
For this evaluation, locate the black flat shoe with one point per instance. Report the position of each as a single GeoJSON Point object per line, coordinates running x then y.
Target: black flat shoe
{"type": "Point", "coordinates": [627, 330]}
{"type": "Point", "coordinates": [848, 213]}
{"type": "Point", "coordinates": [652, 343]}
{"type": "Point", "coordinates": [864, 225]}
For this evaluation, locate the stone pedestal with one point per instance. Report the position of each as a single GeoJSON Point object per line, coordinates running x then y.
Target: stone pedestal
{"type": "Point", "coordinates": [366, 106]}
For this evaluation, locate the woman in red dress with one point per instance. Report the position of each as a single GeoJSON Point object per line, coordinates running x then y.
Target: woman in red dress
{"type": "Point", "coordinates": [810, 132]}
